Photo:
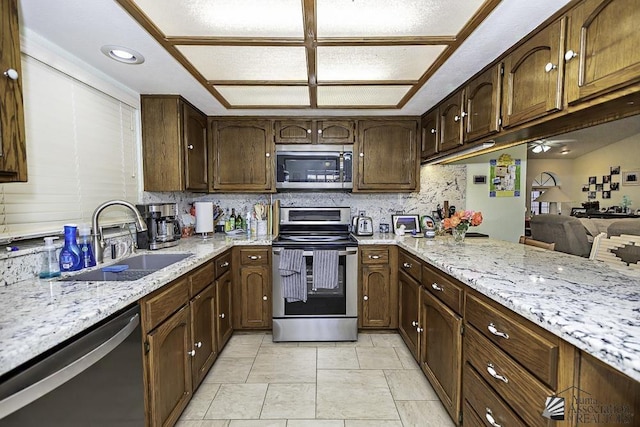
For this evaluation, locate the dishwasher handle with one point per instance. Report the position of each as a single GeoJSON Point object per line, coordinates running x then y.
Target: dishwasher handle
{"type": "Point", "coordinates": [38, 389]}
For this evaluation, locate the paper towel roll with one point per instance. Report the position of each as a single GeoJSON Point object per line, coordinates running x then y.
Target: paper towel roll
{"type": "Point", "coordinates": [204, 217]}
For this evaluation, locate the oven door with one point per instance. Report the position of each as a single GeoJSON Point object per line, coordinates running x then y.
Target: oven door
{"type": "Point", "coordinates": [339, 302]}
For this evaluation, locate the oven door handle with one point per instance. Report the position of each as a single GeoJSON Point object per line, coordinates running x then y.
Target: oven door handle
{"type": "Point", "coordinates": [278, 251]}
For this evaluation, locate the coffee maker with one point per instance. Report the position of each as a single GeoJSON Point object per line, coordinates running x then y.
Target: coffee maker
{"type": "Point", "coordinates": [163, 230]}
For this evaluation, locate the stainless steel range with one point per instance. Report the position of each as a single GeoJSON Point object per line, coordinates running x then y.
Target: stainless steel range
{"type": "Point", "coordinates": [323, 310]}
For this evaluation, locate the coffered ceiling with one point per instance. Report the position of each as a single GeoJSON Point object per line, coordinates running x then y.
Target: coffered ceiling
{"type": "Point", "coordinates": [310, 54]}
{"type": "Point", "coordinates": [286, 57]}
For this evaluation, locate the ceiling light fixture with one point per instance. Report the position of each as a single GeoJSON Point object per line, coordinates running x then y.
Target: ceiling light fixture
{"type": "Point", "coordinates": [540, 147]}
{"type": "Point", "coordinates": [122, 54]}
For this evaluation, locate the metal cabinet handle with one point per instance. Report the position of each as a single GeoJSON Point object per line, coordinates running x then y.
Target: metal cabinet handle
{"type": "Point", "coordinates": [199, 344]}
{"type": "Point", "coordinates": [264, 298]}
{"type": "Point", "coordinates": [374, 256]}
{"type": "Point", "coordinates": [550, 67]}
{"type": "Point", "coordinates": [492, 328]}
{"type": "Point", "coordinates": [190, 146]}
{"type": "Point", "coordinates": [268, 154]}
{"type": "Point", "coordinates": [489, 416]}
{"type": "Point", "coordinates": [361, 154]}
{"type": "Point", "coordinates": [419, 329]}
{"type": "Point", "coordinates": [191, 353]}
{"type": "Point", "coordinates": [319, 131]}
{"type": "Point", "coordinates": [253, 257]}
{"type": "Point", "coordinates": [222, 316]}
{"type": "Point", "coordinates": [491, 370]}
{"type": "Point", "coordinates": [11, 73]}
{"type": "Point", "coordinates": [569, 55]}
{"type": "Point", "coordinates": [224, 264]}
{"type": "Point", "coordinates": [456, 118]}
{"type": "Point", "coordinates": [436, 287]}
{"type": "Point", "coordinates": [366, 298]}
{"type": "Point", "coordinates": [308, 130]}
{"type": "Point", "coordinates": [433, 130]}
{"type": "Point", "coordinates": [414, 323]}
{"type": "Point", "coordinates": [406, 265]}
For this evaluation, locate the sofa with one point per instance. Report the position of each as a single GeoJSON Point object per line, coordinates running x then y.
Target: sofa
{"type": "Point", "coordinates": [567, 232]}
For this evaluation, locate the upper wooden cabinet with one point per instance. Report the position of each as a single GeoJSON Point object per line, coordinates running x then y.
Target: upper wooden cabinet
{"type": "Point", "coordinates": [174, 144]}
{"type": "Point", "coordinates": [533, 75]}
{"type": "Point", "coordinates": [602, 48]}
{"type": "Point", "coordinates": [314, 131]}
{"type": "Point", "coordinates": [450, 121]}
{"type": "Point", "coordinates": [387, 156]}
{"type": "Point", "coordinates": [482, 98]}
{"type": "Point", "coordinates": [429, 135]}
{"type": "Point", "coordinates": [13, 149]}
{"type": "Point", "coordinates": [242, 155]}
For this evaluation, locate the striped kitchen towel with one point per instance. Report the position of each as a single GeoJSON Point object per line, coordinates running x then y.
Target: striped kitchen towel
{"type": "Point", "coordinates": [293, 271]}
{"type": "Point", "coordinates": [325, 269]}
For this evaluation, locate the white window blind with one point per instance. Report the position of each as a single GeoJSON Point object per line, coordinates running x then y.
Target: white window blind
{"type": "Point", "coordinates": [81, 151]}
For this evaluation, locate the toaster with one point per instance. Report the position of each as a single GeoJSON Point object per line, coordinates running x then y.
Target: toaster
{"type": "Point", "coordinates": [362, 226]}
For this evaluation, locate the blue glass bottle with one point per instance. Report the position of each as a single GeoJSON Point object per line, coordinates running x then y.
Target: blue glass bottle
{"type": "Point", "coordinates": [70, 259]}
{"type": "Point", "coordinates": [86, 250]}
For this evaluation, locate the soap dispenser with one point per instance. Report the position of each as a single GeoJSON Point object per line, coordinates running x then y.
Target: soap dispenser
{"type": "Point", "coordinates": [50, 267]}
{"type": "Point", "coordinates": [70, 259]}
{"type": "Point", "coordinates": [86, 250]}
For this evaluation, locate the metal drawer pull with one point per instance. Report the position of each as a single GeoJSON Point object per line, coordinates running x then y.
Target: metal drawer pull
{"type": "Point", "coordinates": [436, 287]}
{"type": "Point", "coordinates": [406, 265]}
{"type": "Point", "coordinates": [496, 375]}
{"type": "Point", "coordinates": [374, 256]}
{"type": "Point", "coordinates": [492, 328]}
{"type": "Point", "coordinates": [224, 264]}
{"type": "Point", "coordinates": [254, 257]}
{"type": "Point", "coordinates": [489, 416]}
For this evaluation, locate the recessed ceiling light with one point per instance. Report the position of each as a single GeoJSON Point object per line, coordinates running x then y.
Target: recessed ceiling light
{"type": "Point", "coordinates": [122, 54]}
{"type": "Point", "coordinates": [565, 151]}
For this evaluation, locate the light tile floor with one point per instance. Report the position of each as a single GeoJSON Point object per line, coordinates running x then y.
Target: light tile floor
{"type": "Point", "coordinates": [372, 382]}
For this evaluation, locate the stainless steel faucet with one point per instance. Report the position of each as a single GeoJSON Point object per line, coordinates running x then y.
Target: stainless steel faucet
{"type": "Point", "coordinates": [98, 238]}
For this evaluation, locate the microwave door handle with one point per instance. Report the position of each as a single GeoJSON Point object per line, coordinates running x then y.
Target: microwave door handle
{"type": "Point", "coordinates": [341, 168]}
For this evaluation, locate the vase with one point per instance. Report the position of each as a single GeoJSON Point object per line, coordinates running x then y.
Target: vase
{"type": "Point", "coordinates": [459, 234]}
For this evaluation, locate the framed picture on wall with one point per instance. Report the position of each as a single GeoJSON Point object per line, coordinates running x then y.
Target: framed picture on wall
{"type": "Point", "coordinates": [591, 195]}
{"type": "Point", "coordinates": [585, 187]}
{"type": "Point", "coordinates": [606, 179]}
{"type": "Point", "coordinates": [592, 180]}
{"type": "Point", "coordinates": [606, 194]}
{"type": "Point", "coordinates": [615, 170]}
{"type": "Point", "coordinates": [631, 178]}
{"type": "Point", "coordinates": [615, 186]}
{"type": "Point", "coordinates": [599, 187]}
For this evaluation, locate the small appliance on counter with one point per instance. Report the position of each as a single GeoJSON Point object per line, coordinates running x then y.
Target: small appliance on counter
{"type": "Point", "coordinates": [163, 229]}
{"type": "Point", "coordinates": [362, 226]}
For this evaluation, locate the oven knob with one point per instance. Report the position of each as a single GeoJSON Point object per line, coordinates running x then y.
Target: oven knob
{"type": "Point", "coordinates": [264, 298]}
{"type": "Point", "coordinates": [366, 298]}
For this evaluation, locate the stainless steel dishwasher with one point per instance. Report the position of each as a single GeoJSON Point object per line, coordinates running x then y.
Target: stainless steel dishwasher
{"type": "Point", "coordinates": [94, 379]}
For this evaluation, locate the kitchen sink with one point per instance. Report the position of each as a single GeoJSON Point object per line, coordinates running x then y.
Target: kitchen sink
{"type": "Point", "coordinates": [138, 267]}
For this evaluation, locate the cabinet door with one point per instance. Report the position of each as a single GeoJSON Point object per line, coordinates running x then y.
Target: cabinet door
{"type": "Point", "coordinates": [602, 48]}
{"type": "Point", "coordinates": [203, 334]}
{"type": "Point", "coordinates": [13, 151]}
{"type": "Point", "coordinates": [429, 135]}
{"type": "Point", "coordinates": [387, 155]}
{"type": "Point", "coordinates": [293, 131]}
{"type": "Point", "coordinates": [256, 297]}
{"type": "Point", "coordinates": [223, 300]}
{"type": "Point", "coordinates": [169, 369]}
{"type": "Point", "coordinates": [335, 131]}
{"type": "Point", "coordinates": [376, 296]}
{"type": "Point", "coordinates": [195, 149]}
{"type": "Point", "coordinates": [441, 350]}
{"type": "Point", "coordinates": [409, 304]}
{"type": "Point", "coordinates": [451, 122]}
{"type": "Point", "coordinates": [243, 155]}
{"type": "Point", "coordinates": [482, 98]}
{"type": "Point", "coordinates": [533, 76]}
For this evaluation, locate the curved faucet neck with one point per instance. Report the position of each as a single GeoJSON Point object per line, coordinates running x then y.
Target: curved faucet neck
{"type": "Point", "coordinates": [98, 239]}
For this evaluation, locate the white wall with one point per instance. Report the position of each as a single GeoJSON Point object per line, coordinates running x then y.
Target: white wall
{"type": "Point", "coordinates": [562, 170]}
{"type": "Point", "coordinates": [503, 216]}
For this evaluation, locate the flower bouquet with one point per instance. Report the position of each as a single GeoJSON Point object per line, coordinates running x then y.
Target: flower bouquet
{"type": "Point", "coordinates": [460, 222]}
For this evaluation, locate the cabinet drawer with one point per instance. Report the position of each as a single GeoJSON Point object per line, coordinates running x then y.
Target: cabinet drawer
{"type": "Point", "coordinates": [200, 278]}
{"type": "Point", "coordinates": [529, 347]}
{"type": "Point", "coordinates": [486, 404]}
{"type": "Point", "coordinates": [443, 288]}
{"type": "Point", "coordinates": [254, 256]}
{"type": "Point", "coordinates": [409, 265]}
{"type": "Point", "coordinates": [375, 255]}
{"type": "Point", "coordinates": [521, 390]}
{"type": "Point", "coordinates": [164, 302]}
{"type": "Point", "coordinates": [223, 264]}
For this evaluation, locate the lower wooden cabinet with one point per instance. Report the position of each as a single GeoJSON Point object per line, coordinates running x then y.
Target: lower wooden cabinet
{"type": "Point", "coordinates": [378, 292]}
{"type": "Point", "coordinates": [252, 294]}
{"type": "Point", "coordinates": [408, 294]}
{"type": "Point", "coordinates": [440, 338]}
{"type": "Point", "coordinates": [224, 327]}
{"type": "Point", "coordinates": [203, 330]}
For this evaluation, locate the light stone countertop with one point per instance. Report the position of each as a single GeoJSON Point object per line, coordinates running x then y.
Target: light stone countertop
{"type": "Point", "coordinates": [593, 307]}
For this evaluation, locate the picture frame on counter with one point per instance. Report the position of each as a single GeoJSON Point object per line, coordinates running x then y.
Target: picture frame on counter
{"type": "Point", "coordinates": [410, 222]}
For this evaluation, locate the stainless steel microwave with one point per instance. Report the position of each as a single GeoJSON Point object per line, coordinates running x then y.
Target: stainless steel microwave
{"type": "Point", "coordinates": [314, 167]}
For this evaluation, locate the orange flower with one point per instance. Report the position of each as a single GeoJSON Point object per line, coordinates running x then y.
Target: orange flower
{"type": "Point", "coordinates": [455, 221]}
{"type": "Point", "coordinates": [476, 218]}
{"type": "Point", "coordinates": [447, 223]}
